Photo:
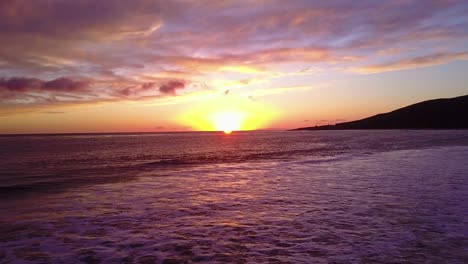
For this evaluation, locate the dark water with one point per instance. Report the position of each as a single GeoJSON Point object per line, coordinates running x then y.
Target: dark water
{"type": "Point", "coordinates": [251, 197]}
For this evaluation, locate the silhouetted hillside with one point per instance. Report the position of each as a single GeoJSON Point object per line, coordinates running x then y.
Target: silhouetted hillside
{"type": "Point", "coordinates": [433, 114]}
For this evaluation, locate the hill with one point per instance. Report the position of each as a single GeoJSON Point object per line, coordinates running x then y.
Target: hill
{"type": "Point", "coordinates": [451, 113]}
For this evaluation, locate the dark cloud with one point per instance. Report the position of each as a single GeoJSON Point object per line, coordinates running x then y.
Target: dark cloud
{"type": "Point", "coordinates": [20, 84]}
{"type": "Point", "coordinates": [148, 86]}
{"type": "Point", "coordinates": [65, 90]}
{"type": "Point", "coordinates": [150, 89]}
{"type": "Point", "coordinates": [65, 85]}
{"type": "Point", "coordinates": [24, 84]}
{"type": "Point", "coordinates": [33, 91]}
{"type": "Point", "coordinates": [128, 91]}
{"type": "Point", "coordinates": [171, 87]}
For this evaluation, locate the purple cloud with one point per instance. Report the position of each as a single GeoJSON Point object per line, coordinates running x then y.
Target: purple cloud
{"type": "Point", "coordinates": [65, 85]}
{"type": "Point", "coordinates": [143, 48]}
{"type": "Point", "coordinates": [24, 84]}
{"type": "Point", "coordinates": [66, 90]}
{"type": "Point", "coordinates": [171, 87]}
{"type": "Point", "coordinates": [19, 84]}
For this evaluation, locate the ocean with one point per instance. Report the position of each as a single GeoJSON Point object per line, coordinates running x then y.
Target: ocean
{"type": "Point", "coordinates": [248, 197]}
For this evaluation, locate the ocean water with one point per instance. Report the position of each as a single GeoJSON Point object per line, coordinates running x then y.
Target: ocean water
{"type": "Point", "coordinates": [248, 197]}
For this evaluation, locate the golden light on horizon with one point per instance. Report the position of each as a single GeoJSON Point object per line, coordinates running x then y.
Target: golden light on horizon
{"type": "Point", "coordinates": [228, 121]}
{"type": "Point", "coordinates": [228, 113]}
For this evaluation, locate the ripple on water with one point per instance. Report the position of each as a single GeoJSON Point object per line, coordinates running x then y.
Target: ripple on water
{"type": "Point", "coordinates": [398, 206]}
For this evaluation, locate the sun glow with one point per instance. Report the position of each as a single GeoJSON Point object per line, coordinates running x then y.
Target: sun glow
{"type": "Point", "coordinates": [228, 114]}
{"type": "Point", "coordinates": [228, 121]}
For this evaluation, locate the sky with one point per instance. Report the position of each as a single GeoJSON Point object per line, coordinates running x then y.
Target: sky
{"type": "Point", "coordinates": [121, 66]}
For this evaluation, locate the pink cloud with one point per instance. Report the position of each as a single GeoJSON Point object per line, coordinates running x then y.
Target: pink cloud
{"type": "Point", "coordinates": [145, 48]}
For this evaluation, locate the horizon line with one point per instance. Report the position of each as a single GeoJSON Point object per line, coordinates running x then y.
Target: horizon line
{"type": "Point", "coordinates": [132, 132]}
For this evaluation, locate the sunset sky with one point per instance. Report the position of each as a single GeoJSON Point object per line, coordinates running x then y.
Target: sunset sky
{"type": "Point", "coordinates": [119, 66]}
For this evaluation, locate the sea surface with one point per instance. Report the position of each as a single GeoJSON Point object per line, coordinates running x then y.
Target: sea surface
{"type": "Point", "coordinates": [248, 197]}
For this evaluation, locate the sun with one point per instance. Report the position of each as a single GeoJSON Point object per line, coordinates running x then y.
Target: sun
{"type": "Point", "coordinates": [228, 121]}
{"type": "Point", "coordinates": [227, 114]}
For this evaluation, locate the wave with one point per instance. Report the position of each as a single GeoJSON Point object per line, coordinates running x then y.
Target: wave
{"type": "Point", "coordinates": [109, 160]}
{"type": "Point", "coordinates": [114, 170]}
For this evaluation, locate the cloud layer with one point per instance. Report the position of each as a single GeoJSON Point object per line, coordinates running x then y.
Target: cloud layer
{"type": "Point", "coordinates": [91, 51]}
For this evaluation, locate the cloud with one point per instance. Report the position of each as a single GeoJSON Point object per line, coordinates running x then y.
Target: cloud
{"type": "Point", "coordinates": [147, 86]}
{"type": "Point", "coordinates": [19, 84]}
{"type": "Point", "coordinates": [53, 112]}
{"type": "Point", "coordinates": [65, 90]}
{"type": "Point", "coordinates": [417, 62]}
{"type": "Point", "coordinates": [145, 90]}
{"type": "Point", "coordinates": [134, 90]}
{"type": "Point", "coordinates": [24, 84]}
{"type": "Point", "coordinates": [171, 87]}
{"type": "Point", "coordinates": [79, 19]}
{"type": "Point", "coordinates": [63, 84]}
{"type": "Point", "coordinates": [134, 50]}
{"type": "Point", "coordinates": [24, 91]}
